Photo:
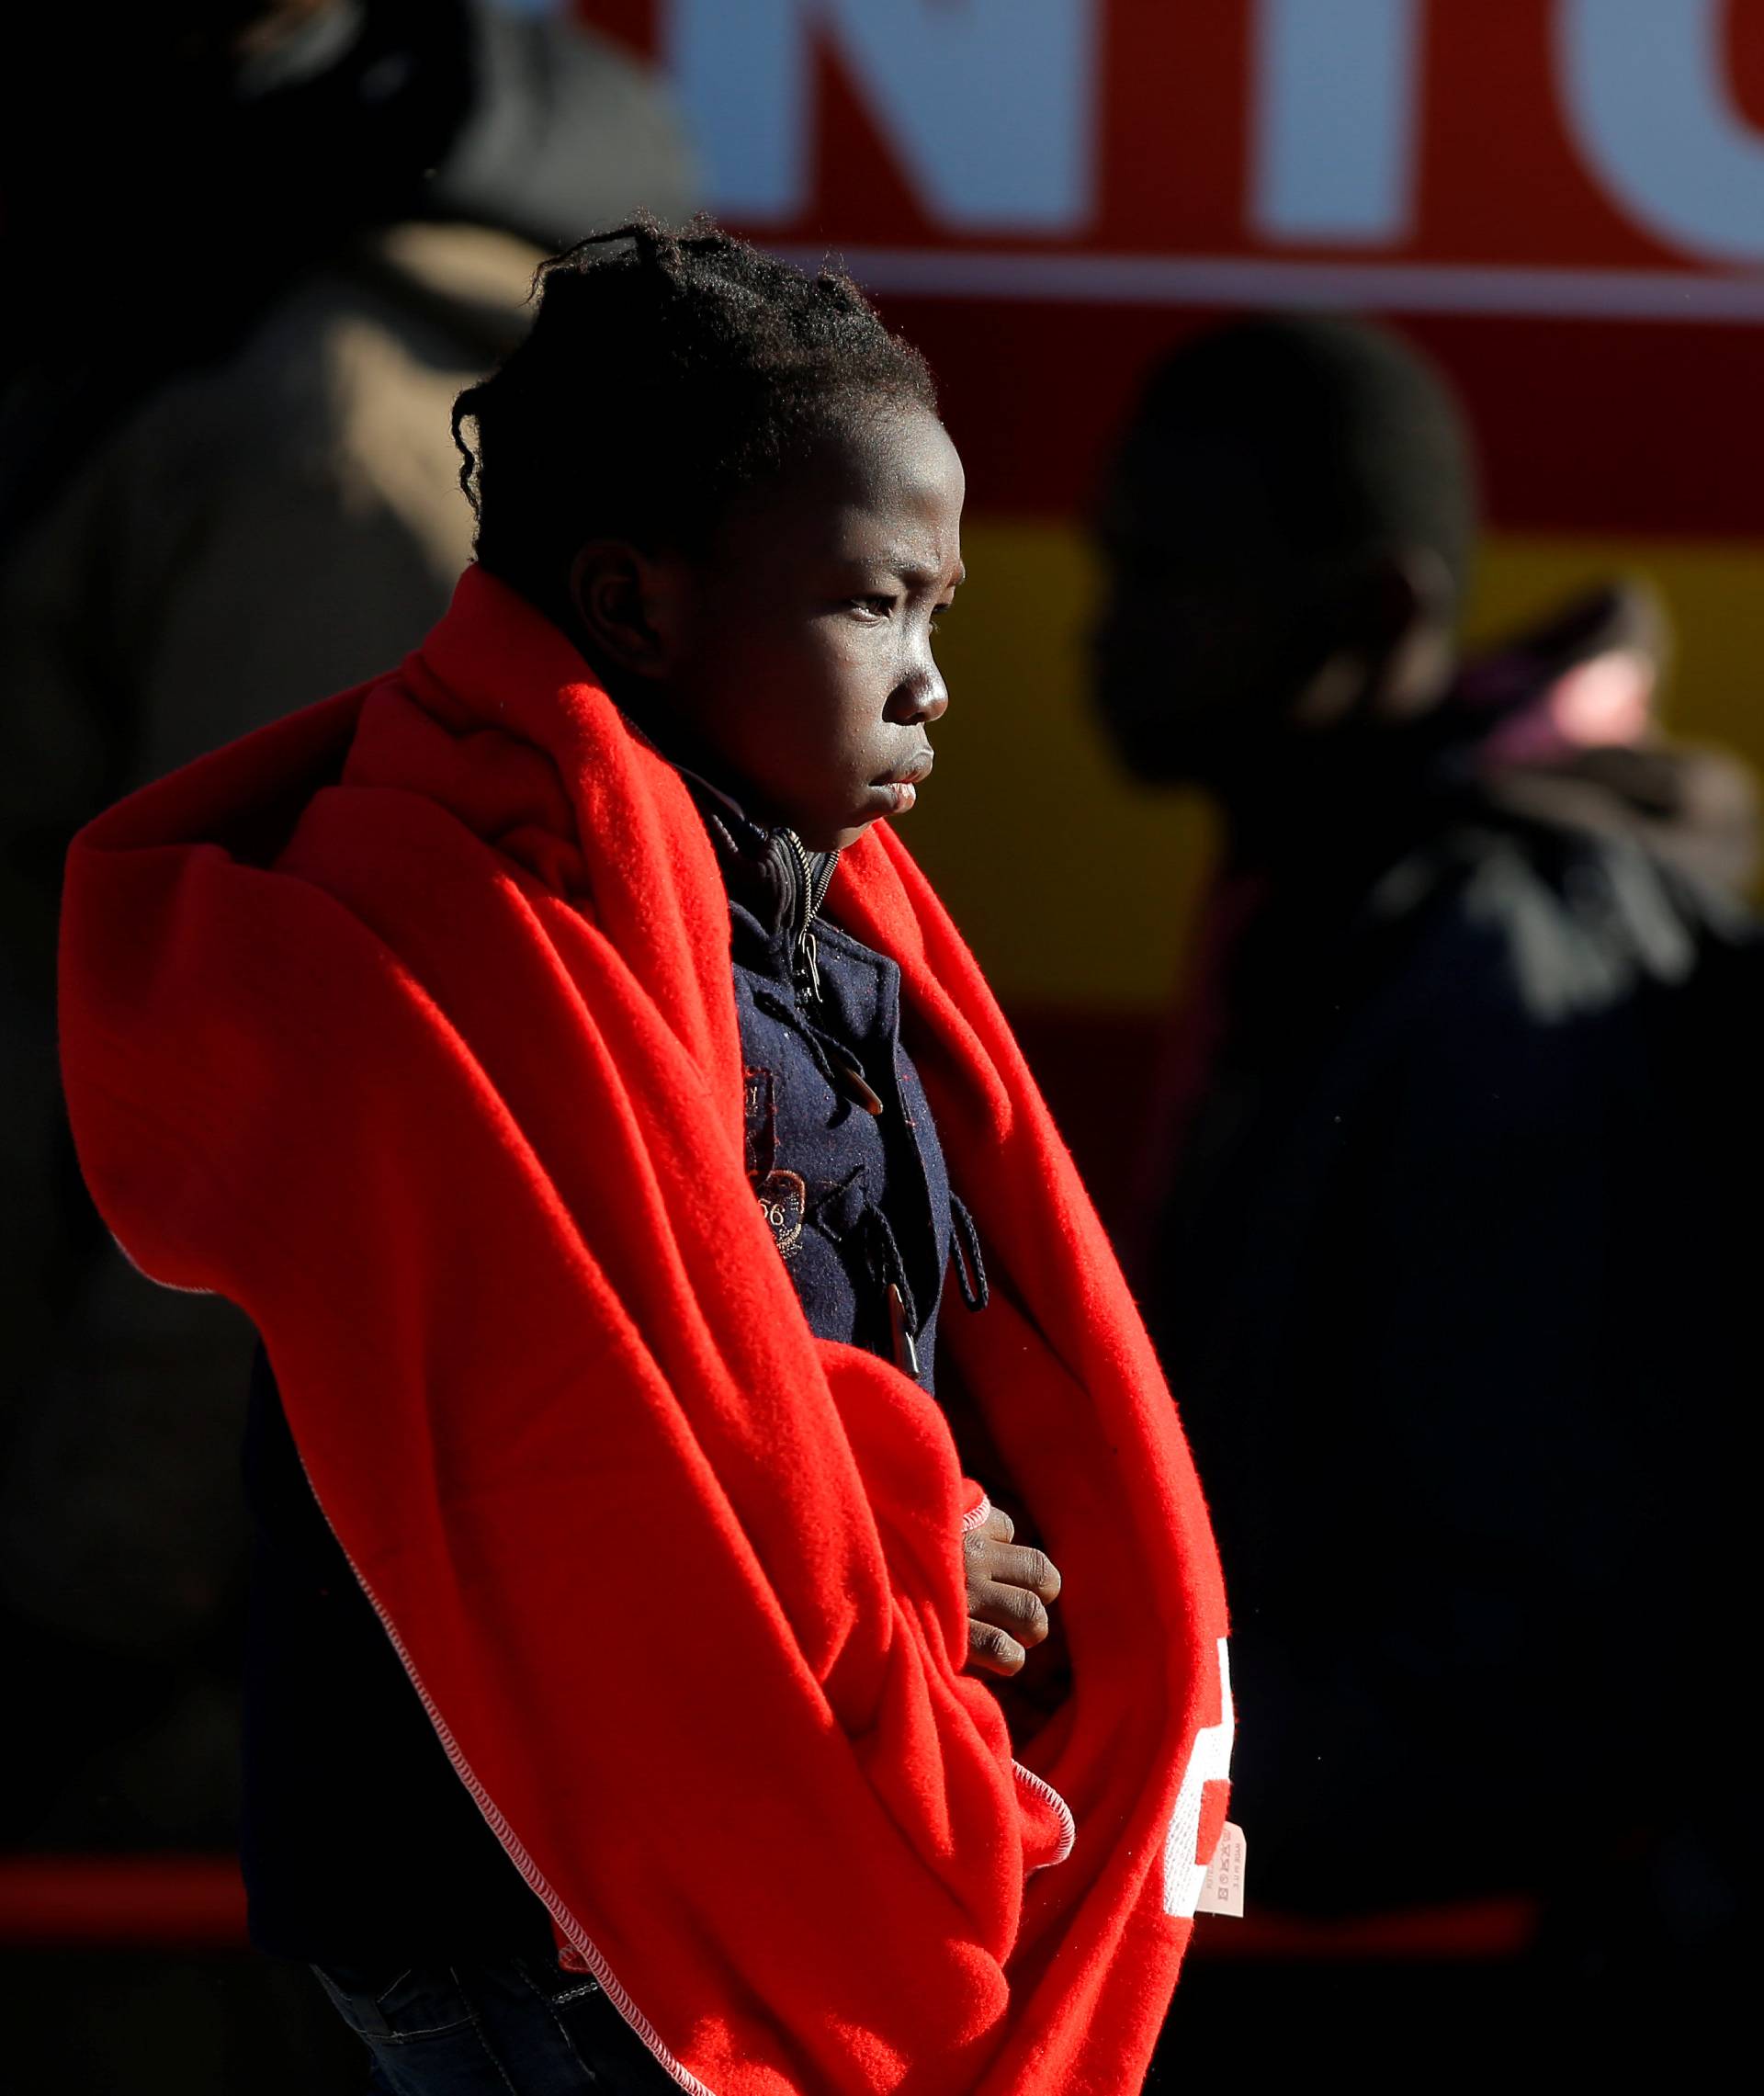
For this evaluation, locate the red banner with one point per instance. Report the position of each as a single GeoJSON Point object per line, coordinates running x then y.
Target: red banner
{"type": "Point", "coordinates": [1565, 198]}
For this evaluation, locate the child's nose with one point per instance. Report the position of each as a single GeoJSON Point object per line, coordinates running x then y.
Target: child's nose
{"type": "Point", "coordinates": [919, 700]}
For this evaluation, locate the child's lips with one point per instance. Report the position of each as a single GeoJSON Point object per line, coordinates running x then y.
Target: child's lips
{"type": "Point", "coordinates": [901, 786]}
{"type": "Point", "coordinates": [903, 782]}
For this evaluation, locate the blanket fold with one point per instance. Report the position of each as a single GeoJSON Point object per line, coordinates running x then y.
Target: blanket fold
{"type": "Point", "coordinates": [407, 1023]}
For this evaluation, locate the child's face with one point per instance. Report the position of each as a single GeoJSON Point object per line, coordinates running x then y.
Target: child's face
{"type": "Point", "coordinates": [800, 648]}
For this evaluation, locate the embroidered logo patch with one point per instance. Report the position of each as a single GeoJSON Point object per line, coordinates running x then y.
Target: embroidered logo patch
{"type": "Point", "coordinates": [782, 1199]}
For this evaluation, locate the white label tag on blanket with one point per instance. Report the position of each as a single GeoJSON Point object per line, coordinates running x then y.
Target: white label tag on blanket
{"type": "Point", "coordinates": [1222, 1887]}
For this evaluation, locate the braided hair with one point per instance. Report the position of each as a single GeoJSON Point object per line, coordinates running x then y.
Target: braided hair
{"type": "Point", "coordinates": [664, 373]}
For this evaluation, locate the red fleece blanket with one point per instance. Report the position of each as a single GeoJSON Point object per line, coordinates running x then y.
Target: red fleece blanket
{"type": "Point", "coordinates": [408, 1024]}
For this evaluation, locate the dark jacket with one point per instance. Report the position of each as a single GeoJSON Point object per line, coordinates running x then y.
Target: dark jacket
{"type": "Point", "coordinates": [359, 1840]}
{"type": "Point", "coordinates": [1447, 1276]}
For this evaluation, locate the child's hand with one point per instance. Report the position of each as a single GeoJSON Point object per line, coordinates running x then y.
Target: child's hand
{"type": "Point", "coordinates": [1009, 1589]}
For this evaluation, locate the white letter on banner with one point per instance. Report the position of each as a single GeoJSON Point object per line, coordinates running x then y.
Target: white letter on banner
{"type": "Point", "coordinates": [1647, 94]}
{"type": "Point", "coordinates": [741, 74]}
{"type": "Point", "coordinates": [1337, 99]}
{"type": "Point", "coordinates": [989, 103]}
{"type": "Point", "coordinates": [1209, 1761]}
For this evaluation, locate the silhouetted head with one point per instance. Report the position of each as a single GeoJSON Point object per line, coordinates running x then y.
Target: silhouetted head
{"type": "Point", "coordinates": [727, 483]}
{"type": "Point", "coordinates": [228, 148]}
{"type": "Point", "coordinates": [1285, 528]}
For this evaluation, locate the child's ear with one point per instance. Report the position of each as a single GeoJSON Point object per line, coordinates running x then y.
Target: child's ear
{"type": "Point", "coordinates": [630, 606]}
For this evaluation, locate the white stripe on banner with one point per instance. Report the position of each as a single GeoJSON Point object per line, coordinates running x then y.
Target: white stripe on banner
{"type": "Point", "coordinates": [1230, 280]}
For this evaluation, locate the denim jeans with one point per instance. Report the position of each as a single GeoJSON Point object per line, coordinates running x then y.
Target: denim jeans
{"type": "Point", "coordinates": [518, 2027]}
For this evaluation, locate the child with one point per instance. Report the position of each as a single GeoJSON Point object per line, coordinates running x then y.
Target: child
{"type": "Point", "coordinates": [556, 1054]}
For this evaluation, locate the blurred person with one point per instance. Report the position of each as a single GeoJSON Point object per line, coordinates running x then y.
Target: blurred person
{"type": "Point", "coordinates": [552, 1050]}
{"type": "Point", "coordinates": [265, 245]}
{"type": "Point", "coordinates": [1446, 1245]}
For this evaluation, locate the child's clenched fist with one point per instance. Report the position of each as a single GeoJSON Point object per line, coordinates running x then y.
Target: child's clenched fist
{"type": "Point", "coordinates": [1010, 1588]}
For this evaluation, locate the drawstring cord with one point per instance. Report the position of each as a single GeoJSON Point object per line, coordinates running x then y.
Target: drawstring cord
{"type": "Point", "coordinates": [890, 1269]}
{"type": "Point", "coordinates": [887, 1264]}
{"type": "Point", "coordinates": [965, 1249]}
{"type": "Point", "coordinates": [831, 1057]}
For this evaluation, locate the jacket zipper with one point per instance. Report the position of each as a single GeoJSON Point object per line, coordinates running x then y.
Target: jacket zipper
{"type": "Point", "coordinates": [805, 962]}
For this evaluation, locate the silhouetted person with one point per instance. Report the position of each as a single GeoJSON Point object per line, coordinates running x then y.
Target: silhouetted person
{"type": "Point", "coordinates": [263, 244]}
{"type": "Point", "coordinates": [266, 243]}
{"type": "Point", "coordinates": [1443, 1251]}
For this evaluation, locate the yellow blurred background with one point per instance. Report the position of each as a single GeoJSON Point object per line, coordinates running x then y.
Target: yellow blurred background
{"type": "Point", "coordinates": [1075, 888]}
